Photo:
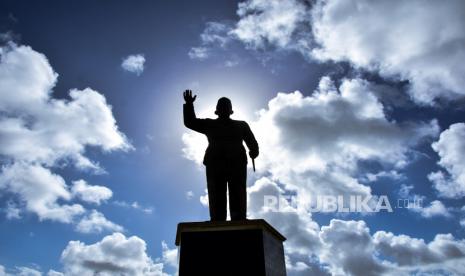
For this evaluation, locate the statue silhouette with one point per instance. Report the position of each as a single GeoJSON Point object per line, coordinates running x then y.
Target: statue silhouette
{"type": "Point", "coordinates": [225, 158]}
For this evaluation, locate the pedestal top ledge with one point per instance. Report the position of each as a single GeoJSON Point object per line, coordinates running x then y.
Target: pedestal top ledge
{"type": "Point", "coordinates": [205, 226]}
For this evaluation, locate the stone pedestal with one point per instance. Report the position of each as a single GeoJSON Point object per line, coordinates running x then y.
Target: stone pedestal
{"type": "Point", "coordinates": [236, 248]}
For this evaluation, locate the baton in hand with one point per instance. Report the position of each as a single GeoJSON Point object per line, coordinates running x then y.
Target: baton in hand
{"type": "Point", "coordinates": [253, 164]}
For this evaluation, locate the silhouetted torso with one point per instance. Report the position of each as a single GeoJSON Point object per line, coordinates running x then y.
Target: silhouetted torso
{"type": "Point", "coordinates": [225, 137]}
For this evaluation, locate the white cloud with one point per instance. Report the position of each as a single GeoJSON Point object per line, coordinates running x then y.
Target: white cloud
{"type": "Point", "coordinates": [384, 253]}
{"type": "Point", "coordinates": [40, 132]}
{"type": "Point", "coordinates": [134, 64]}
{"type": "Point", "coordinates": [90, 193]}
{"type": "Point", "coordinates": [299, 267]}
{"type": "Point", "coordinates": [26, 76]}
{"type": "Point", "coordinates": [444, 251]}
{"type": "Point", "coordinates": [392, 174]}
{"type": "Point", "coordinates": [134, 205]}
{"type": "Point", "coordinates": [95, 222]}
{"type": "Point", "coordinates": [189, 195]}
{"type": "Point", "coordinates": [214, 34]}
{"type": "Point", "coordinates": [199, 53]}
{"type": "Point", "coordinates": [204, 199]}
{"type": "Point", "coordinates": [12, 210]}
{"type": "Point", "coordinates": [348, 248]}
{"type": "Point", "coordinates": [295, 224]}
{"type": "Point", "coordinates": [169, 256]}
{"type": "Point", "coordinates": [330, 249]}
{"type": "Point", "coordinates": [436, 208]}
{"type": "Point", "coordinates": [315, 143]}
{"type": "Point", "coordinates": [410, 40]}
{"type": "Point", "coordinates": [147, 210]}
{"type": "Point", "coordinates": [52, 272]}
{"type": "Point", "coordinates": [405, 190]}
{"type": "Point", "coordinates": [265, 21]}
{"type": "Point", "coordinates": [40, 190]}
{"type": "Point", "coordinates": [451, 150]}
{"type": "Point", "coordinates": [27, 271]}
{"type": "Point", "coordinates": [422, 43]}
{"type": "Point", "coordinates": [231, 63]}
{"type": "Point", "coordinates": [195, 145]}
{"type": "Point", "coordinates": [415, 203]}
{"type": "Point", "coordinates": [114, 254]}
{"type": "Point", "coordinates": [40, 129]}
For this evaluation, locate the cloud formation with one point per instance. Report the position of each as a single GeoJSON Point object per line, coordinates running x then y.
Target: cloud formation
{"type": "Point", "coordinates": [264, 22]}
{"type": "Point", "coordinates": [95, 222]}
{"type": "Point", "coordinates": [329, 249]}
{"type": "Point", "coordinates": [39, 189]}
{"type": "Point", "coordinates": [435, 208]}
{"type": "Point", "coordinates": [90, 193]}
{"type": "Point", "coordinates": [22, 271]}
{"type": "Point", "coordinates": [39, 132]}
{"type": "Point", "coordinates": [114, 254]}
{"type": "Point", "coordinates": [215, 34]}
{"type": "Point", "coordinates": [409, 40]}
{"type": "Point", "coordinates": [407, 251]}
{"type": "Point", "coordinates": [199, 53]}
{"type": "Point", "coordinates": [451, 150]}
{"type": "Point", "coordinates": [414, 41]}
{"type": "Point", "coordinates": [134, 205]}
{"type": "Point", "coordinates": [37, 128]}
{"type": "Point", "coordinates": [333, 129]}
{"type": "Point", "coordinates": [295, 223]}
{"type": "Point", "coordinates": [134, 64]}
{"type": "Point", "coordinates": [12, 211]}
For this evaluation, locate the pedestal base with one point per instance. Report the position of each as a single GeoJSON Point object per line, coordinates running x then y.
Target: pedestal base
{"type": "Point", "coordinates": [239, 248]}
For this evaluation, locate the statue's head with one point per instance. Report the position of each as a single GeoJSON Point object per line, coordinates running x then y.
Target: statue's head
{"type": "Point", "coordinates": [224, 108]}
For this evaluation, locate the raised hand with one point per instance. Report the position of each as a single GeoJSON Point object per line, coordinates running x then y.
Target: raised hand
{"type": "Point", "coordinates": [188, 97]}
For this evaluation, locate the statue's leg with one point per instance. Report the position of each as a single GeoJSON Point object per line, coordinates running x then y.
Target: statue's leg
{"type": "Point", "coordinates": [237, 192]}
{"type": "Point", "coordinates": [216, 184]}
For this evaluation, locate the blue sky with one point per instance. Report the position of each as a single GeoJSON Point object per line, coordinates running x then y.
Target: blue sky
{"type": "Point", "coordinates": [345, 98]}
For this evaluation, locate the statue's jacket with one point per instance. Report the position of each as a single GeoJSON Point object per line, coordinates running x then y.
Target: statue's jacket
{"type": "Point", "coordinates": [225, 138]}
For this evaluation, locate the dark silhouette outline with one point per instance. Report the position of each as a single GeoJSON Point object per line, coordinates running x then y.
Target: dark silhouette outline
{"type": "Point", "coordinates": [225, 158]}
